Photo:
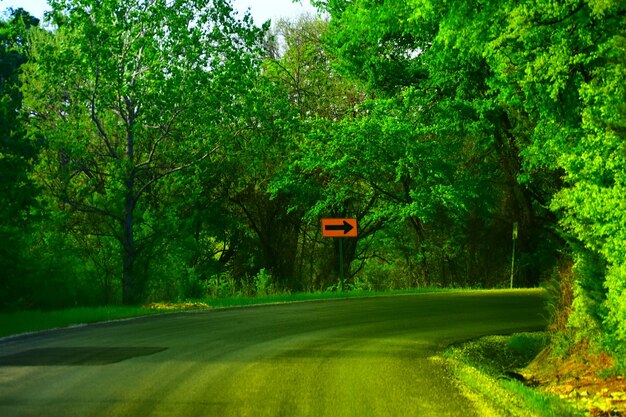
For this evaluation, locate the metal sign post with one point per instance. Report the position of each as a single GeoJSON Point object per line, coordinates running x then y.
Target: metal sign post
{"type": "Point", "coordinates": [341, 277]}
{"type": "Point", "coordinates": [339, 228]}
{"type": "Point", "coordinates": [513, 256]}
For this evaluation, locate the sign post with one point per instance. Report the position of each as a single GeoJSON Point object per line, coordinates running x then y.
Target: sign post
{"type": "Point", "coordinates": [341, 277]}
{"type": "Point", "coordinates": [513, 256]}
{"type": "Point", "coordinates": [339, 228]}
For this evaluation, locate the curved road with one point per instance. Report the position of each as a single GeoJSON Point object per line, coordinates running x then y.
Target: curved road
{"type": "Point", "coordinates": [357, 357]}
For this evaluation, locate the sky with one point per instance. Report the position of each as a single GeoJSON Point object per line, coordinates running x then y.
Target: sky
{"type": "Point", "coordinates": [261, 10]}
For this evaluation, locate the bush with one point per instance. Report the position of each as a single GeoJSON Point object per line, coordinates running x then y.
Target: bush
{"type": "Point", "coordinates": [359, 284]}
{"type": "Point", "coordinates": [195, 288]}
{"type": "Point", "coordinates": [222, 285]}
{"type": "Point", "coordinates": [263, 283]}
{"type": "Point", "coordinates": [616, 317]}
{"type": "Point", "coordinates": [589, 308]}
{"type": "Point", "coordinates": [560, 295]}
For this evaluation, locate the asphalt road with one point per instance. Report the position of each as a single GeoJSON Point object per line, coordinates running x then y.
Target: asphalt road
{"type": "Point", "coordinates": [357, 357]}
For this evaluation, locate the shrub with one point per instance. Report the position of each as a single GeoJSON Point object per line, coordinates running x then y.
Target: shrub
{"type": "Point", "coordinates": [263, 283]}
{"type": "Point", "coordinates": [560, 295]}
{"type": "Point", "coordinates": [222, 285]}
{"type": "Point", "coordinates": [616, 317]}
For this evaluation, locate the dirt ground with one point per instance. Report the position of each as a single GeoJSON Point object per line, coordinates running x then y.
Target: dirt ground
{"type": "Point", "coordinates": [585, 379]}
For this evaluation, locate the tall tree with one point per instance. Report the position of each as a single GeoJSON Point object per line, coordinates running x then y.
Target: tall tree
{"type": "Point", "coordinates": [125, 94]}
{"type": "Point", "coordinates": [300, 64]}
{"type": "Point", "coordinates": [16, 190]}
{"type": "Point", "coordinates": [564, 66]}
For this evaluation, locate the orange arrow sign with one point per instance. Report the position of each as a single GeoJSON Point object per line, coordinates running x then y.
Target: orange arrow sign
{"type": "Point", "coordinates": [339, 228]}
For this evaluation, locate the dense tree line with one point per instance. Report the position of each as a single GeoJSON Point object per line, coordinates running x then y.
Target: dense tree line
{"type": "Point", "coordinates": [171, 149]}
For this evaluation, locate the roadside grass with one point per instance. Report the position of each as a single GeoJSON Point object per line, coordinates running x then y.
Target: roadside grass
{"type": "Point", "coordinates": [18, 322]}
{"type": "Point", "coordinates": [235, 301]}
{"type": "Point", "coordinates": [487, 369]}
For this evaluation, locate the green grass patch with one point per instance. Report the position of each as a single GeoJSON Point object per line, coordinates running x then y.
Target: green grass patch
{"type": "Point", "coordinates": [29, 321]}
{"type": "Point", "coordinates": [12, 323]}
{"type": "Point", "coordinates": [236, 301]}
{"type": "Point", "coordinates": [485, 368]}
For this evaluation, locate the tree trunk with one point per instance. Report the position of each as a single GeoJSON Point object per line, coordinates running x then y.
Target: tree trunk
{"type": "Point", "coordinates": [128, 238]}
{"type": "Point", "coordinates": [418, 228]}
{"type": "Point", "coordinates": [128, 245]}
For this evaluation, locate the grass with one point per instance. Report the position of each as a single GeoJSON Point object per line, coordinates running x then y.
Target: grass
{"type": "Point", "coordinates": [30, 321]}
{"type": "Point", "coordinates": [482, 366]}
{"type": "Point", "coordinates": [12, 323]}
{"type": "Point", "coordinates": [290, 298]}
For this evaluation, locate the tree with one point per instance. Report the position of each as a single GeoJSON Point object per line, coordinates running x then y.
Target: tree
{"type": "Point", "coordinates": [16, 190]}
{"type": "Point", "coordinates": [266, 131]}
{"type": "Point", "coordinates": [564, 66]}
{"type": "Point", "coordinates": [299, 63]}
{"type": "Point", "coordinates": [124, 95]}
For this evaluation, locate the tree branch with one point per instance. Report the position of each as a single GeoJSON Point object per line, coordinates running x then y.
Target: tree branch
{"type": "Point", "coordinates": [158, 140]}
{"type": "Point", "coordinates": [95, 119]}
{"type": "Point", "coordinates": [173, 170]}
{"type": "Point", "coordinates": [86, 208]}
{"type": "Point", "coordinates": [559, 20]}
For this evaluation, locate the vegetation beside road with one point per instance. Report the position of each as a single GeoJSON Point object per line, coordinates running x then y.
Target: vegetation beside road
{"type": "Point", "coordinates": [522, 375]}
{"type": "Point", "coordinates": [488, 369]}
{"type": "Point", "coordinates": [18, 322]}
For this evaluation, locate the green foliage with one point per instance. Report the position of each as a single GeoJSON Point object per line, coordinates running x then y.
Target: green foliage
{"type": "Point", "coordinates": [589, 295]}
{"type": "Point", "coordinates": [573, 87]}
{"type": "Point", "coordinates": [443, 142]}
{"type": "Point", "coordinates": [616, 306]}
{"type": "Point", "coordinates": [12, 323]}
{"type": "Point", "coordinates": [16, 190]}
{"type": "Point", "coordinates": [263, 283]}
{"type": "Point", "coordinates": [222, 286]}
{"type": "Point", "coordinates": [124, 95]}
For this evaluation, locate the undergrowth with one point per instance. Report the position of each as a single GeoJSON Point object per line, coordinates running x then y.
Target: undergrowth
{"type": "Point", "coordinates": [487, 368]}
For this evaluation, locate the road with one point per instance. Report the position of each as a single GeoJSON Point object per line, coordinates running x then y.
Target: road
{"type": "Point", "coordinates": [357, 357]}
